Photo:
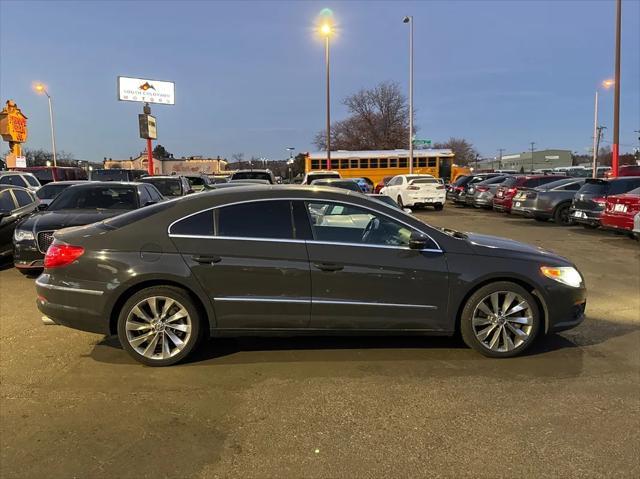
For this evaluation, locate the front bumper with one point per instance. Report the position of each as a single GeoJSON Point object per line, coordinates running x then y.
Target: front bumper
{"type": "Point", "coordinates": [69, 305]}
{"type": "Point", "coordinates": [26, 255]}
{"type": "Point", "coordinates": [565, 307]}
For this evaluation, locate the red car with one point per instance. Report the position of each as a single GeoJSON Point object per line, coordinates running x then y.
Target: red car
{"type": "Point", "coordinates": [382, 184]}
{"type": "Point", "coordinates": [619, 211]}
{"type": "Point", "coordinates": [625, 170]}
{"type": "Point", "coordinates": [503, 199]}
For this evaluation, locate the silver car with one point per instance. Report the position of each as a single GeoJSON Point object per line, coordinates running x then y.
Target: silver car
{"type": "Point", "coordinates": [482, 193]}
{"type": "Point", "coordinates": [636, 226]}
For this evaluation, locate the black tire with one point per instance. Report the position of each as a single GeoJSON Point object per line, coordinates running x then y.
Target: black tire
{"type": "Point", "coordinates": [561, 214]}
{"type": "Point", "coordinates": [438, 206]}
{"type": "Point", "coordinates": [179, 296]}
{"type": "Point", "coordinates": [540, 219]}
{"type": "Point", "coordinates": [400, 203]}
{"type": "Point", "coordinates": [467, 329]}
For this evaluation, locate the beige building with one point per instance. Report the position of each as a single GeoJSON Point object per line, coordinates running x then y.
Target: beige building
{"type": "Point", "coordinates": [168, 166]}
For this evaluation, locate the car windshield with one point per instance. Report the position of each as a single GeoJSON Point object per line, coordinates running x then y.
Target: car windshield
{"type": "Point", "coordinates": [109, 175]}
{"type": "Point", "coordinates": [96, 198]}
{"type": "Point", "coordinates": [594, 188]}
{"type": "Point", "coordinates": [51, 190]}
{"type": "Point", "coordinates": [345, 185]}
{"type": "Point", "coordinates": [512, 180]}
{"type": "Point", "coordinates": [166, 186]}
{"type": "Point", "coordinates": [555, 184]}
{"type": "Point", "coordinates": [196, 180]}
{"type": "Point", "coordinates": [494, 180]}
{"type": "Point", "coordinates": [423, 181]}
{"type": "Point", "coordinates": [252, 175]}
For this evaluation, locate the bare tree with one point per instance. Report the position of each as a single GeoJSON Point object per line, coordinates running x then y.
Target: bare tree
{"type": "Point", "coordinates": [465, 153]}
{"type": "Point", "coordinates": [378, 120]}
{"type": "Point", "coordinates": [39, 157]}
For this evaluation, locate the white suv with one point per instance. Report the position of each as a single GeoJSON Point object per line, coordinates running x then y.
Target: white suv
{"type": "Point", "coordinates": [416, 191]}
{"type": "Point", "coordinates": [319, 175]}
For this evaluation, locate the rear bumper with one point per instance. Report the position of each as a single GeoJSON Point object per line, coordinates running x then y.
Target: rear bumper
{"type": "Point", "coordinates": [617, 222]}
{"type": "Point", "coordinates": [88, 313]}
{"type": "Point", "coordinates": [585, 217]}
{"type": "Point", "coordinates": [420, 200]}
{"type": "Point", "coordinates": [502, 205]}
{"type": "Point", "coordinates": [483, 201]}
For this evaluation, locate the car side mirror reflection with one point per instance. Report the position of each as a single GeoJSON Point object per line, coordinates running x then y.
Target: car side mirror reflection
{"type": "Point", "coordinates": [418, 240]}
{"type": "Point", "coordinates": [42, 206]}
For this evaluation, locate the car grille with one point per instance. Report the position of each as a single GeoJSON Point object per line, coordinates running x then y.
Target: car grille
{"type": "Point", "coordinates": [45, 238]}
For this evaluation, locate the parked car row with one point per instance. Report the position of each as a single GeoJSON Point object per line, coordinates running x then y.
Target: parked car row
{"type": "Point", "coordinates": [592, 202]}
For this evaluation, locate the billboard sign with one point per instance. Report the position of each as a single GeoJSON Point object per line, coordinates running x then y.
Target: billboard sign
{"type": "Point", "coordinates": [146, 91]}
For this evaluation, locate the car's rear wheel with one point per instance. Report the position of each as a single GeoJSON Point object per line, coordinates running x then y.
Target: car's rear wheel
{"type": "Point", "coordinates": [438, 206]}
{"type": "Point", "coordinates": [500, 320]}
{"type": "Point", "coordinates": [561, 215]}
{"type": "Point", "coordinates": [159, 326]}
{"type": "Point", "coordinates": [400, 203]}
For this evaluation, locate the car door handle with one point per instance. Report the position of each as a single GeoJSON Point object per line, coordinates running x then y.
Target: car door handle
{"type": "Point", "coordinates": [329, 266]}
{"type": "Point", "coordinates": [206, 259]}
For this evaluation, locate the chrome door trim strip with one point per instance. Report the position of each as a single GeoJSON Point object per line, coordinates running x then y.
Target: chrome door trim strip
{"type": "Point", "coordinates": [237, 238]}
{"type": "Point", "coordinates": [364, 303]}
{"type": "Point", "coordinates": [249, 299]}
{"type": "Point", "coordinates": [365, 245]}
{"type": "Point", "coordinates": [69, 289]}
{"type": "Point", "coordinates": [313, 200]}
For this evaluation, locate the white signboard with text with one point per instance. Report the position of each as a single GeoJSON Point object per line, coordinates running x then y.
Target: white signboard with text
{"type": "Point", "coordinates": [21, 162]}
{"type": "Point", "coordinates": [146, 91]}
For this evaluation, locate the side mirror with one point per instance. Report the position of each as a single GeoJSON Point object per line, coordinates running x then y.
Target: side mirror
{"type": "Point", "coordinates": [407, 210]}
{"type": "Point", "coordinates": [418, 240]}
{"type": "Point", "coordinates": [42, 206]}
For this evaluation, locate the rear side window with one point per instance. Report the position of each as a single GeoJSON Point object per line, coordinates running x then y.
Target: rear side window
{"type": "Point", "coordinates": [13, 180]}
{"type": "Point", "coordinates": [260, 219]}
{"type": "Point", "coordinates": [200, 224]}
{"type": "Point", "coordinates": [572, 187]}
{"type": "Point", "coordinates": [23, 198]}
{"type": "Point", "coordinates": [6, 201]}
{"type": "Point", "coordinates": [509, 181]}
{"type": "Point", "coordinates": [622, 186]}
{"type": "Point", "coordinates": [252, 175]}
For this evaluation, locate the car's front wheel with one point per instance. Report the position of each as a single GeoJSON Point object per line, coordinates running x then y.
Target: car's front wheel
{"type": "Point", "coordinates": [159, 326]}
{"type": "Point", "coordinates": [500, 320]}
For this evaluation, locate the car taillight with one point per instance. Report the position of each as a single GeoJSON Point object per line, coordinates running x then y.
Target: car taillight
{"type": "Point", "coordinates": [60, 254]}
{"type": "Point", "coordinates": [511, 191]}
{"type": "Point", "coordinates": [531, 194]}
{"type": "Point", "coordinates": [601, 200]}
{"type": "Point", "coordinates": [413, 188]}
{"type": "Point", "coordinates": [482, 188]}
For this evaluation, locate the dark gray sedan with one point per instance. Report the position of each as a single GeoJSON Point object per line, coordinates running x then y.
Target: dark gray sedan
{"type": "Point", "coordinates": [298, 260]}
{"type": "Point", "coordinates": [550, 201]}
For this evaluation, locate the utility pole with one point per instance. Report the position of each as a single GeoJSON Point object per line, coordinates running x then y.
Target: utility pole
{"type": "Point", "coordinates": [599, 132]}
{"type": "Point", "coordinates": [615, 152]}
{"type": "Point", "coordinates": [500, 160]}
{"type": "Point", "coordinates": [533, 143]}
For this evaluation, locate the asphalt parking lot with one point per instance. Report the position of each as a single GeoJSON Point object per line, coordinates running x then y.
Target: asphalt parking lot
{"type": "Point", "coordinates": [75, 405]}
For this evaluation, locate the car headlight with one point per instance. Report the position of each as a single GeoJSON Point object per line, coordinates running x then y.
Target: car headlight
{"type": "Point", "coordinates": [563, 274]}
{"type": "Point", "coordinates": [23, 235]}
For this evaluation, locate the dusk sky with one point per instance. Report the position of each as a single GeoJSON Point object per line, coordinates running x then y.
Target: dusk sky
{"type": "Point", "coordinates": [250, 75]}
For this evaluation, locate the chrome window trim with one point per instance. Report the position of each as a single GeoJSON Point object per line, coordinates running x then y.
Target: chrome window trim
{"type": "Point", "coordinates": [68, 289]}
{"type": "Point", "coordinates": [311, 301]}
{"type": "Point", "coordinates": [413, 228]}
{"type": "Point", "coordinates": [249, 299]}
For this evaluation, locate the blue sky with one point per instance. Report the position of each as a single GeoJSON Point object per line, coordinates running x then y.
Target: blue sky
{"type": "Point", "coordinates": [250, 75]}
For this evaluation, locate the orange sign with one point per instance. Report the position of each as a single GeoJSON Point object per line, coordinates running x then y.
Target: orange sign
{"type": "Point", "coordinates": [13, 123]}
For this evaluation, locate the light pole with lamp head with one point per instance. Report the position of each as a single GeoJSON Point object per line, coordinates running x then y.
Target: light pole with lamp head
{"type": "Point", "coordinates": [40, 88]}
{"type": "Point", "coordinates": [606, 84]}
{"type": "Point", "coordinates": [409, 19]}
{"type": "Point", "coordinates": [326, 30]}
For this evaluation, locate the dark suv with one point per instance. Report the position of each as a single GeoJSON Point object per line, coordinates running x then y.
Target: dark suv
{"type": "Point", "coordinates": [589, 202]}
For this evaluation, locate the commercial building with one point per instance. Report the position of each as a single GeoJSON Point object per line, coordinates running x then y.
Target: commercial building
{"type": "Point", "coordinates": [171, 165]}
{"type": "Point", "coordinates": [542, 159]}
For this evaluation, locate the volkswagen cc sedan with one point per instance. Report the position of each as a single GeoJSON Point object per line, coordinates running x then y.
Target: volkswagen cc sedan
{"type": "Point", "coordinates": [290, 260]}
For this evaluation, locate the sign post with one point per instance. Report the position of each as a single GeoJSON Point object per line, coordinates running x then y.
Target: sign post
{"type": "Point", "coordinates": [13, 129]}
{"type": "Point", "coordinates": [146, 91]}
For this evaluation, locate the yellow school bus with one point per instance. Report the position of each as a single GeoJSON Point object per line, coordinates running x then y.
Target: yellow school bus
{"type": "Point", "coordinates": [378, 164]}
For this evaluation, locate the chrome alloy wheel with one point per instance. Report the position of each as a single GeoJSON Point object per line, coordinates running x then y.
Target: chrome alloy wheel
{"type": "Point", "coordinates": [158, 327]}
{"type": "Point", "coordinates": [502, 321]}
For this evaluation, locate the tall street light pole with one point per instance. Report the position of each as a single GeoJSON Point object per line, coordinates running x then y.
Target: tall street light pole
{"type": "Point", "coordinates": [40, 88]}
{"type": "Point", "coordinates": [605, 84]}
{"type": "Point", "coordinates": [326, 31]}
{"type": "Point", "coordinates": [533, 143]}
{"type": "Point", "coordinates": [615, 152]}
{"type": "Point", "coordinates": [409, 19]}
